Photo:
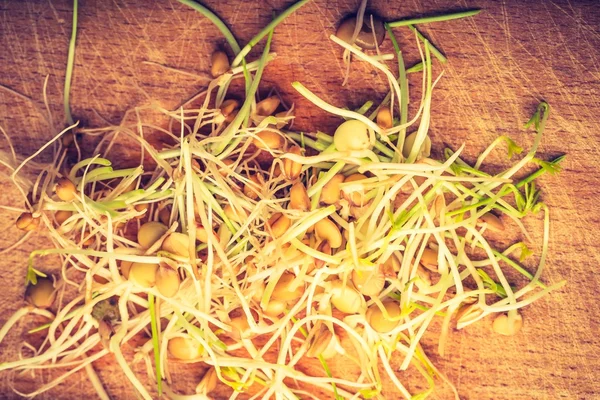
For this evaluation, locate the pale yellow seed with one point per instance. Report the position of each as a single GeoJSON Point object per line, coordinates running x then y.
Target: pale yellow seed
{"type": "Point", "coordinates": [299, 199]}
{"type": "Point", "coordinates": [379, 322]}
{"type": "Point", "coordinates": [391, 266]}
{"type": "Point", "coordinates": [355, 197]}
{"type": "Point", "coordinates": [330, 194]}
{"type": "Point", "coordinates": [185, 348]}
{"type": "Point", "coordinates": [492, 221]}
{"type": "Point", "coordinates": [287, 289]}
{"type": "Point", "coordinates": [268, 140]}
{"type": "Point", "coordinates": [346, 298]}
{"type": "Point", "coordinates": [325, 248]}
{"type": "Point", "coordinates": [143, 274]}
{"type": "Point", "coordinates": [409, 142]}
{"type": "Point", "coordinates": [249, 190]}
{"type": "Point", "coordinates": [61, 216]}
{"type": "Point", "coordinates": [283, 122]}
{"type": "Point", "coordinates": [424, 275]}
{"type": "Point", "coordinates": [150, 232]}
{"type": "Point", "coordinates": [369, 282]}
{"type": "Point", "coordinates": [384, 118]}
{"type": "Point", "coordinates": [65, 189]}
{"type": "Point", "coordinates": [503, 326]}
{"type": "Point", "coordinates": [327, 230]}
{"type": "Point", "coordinates": [164, 215]}
{"type": "Point", "coordinates": [26, 222]}
{"type": "Point", "coordinates": [275, 308]}
{"type": "Point", "coordinates": [125, 267]}
{"type": "Point", "coordinates": [208, 383]}
{"type": "Point", "coordinates": [235, 214]}
{"type": "Point", "coordinates": [267, 106]}
{"type": "Point", "coordinates": [219, 63]}
{"type": "Point", "coordinates": [429, 259]}
{"type": "Point", "coordinates": [240, 329]}
{"type": "Point", "coordinates": [42, 294]}
{"type": "Point", "coordinates": [468, 312]}
{"type": "Point", "coordinates": [365, 38]}
{"type": "Point", "coordinates": [292, 169]}
{"type": "Point", "coordinates": [229, 106]}
{"type": "Point", "coordinates": [352, 135]}
{"type": "Point", "coordinates": [177, 243]}
{"type": "Point", "coordinates": [324, 344]}
{"type": "Point", "coordinates": [202, 234]}
{"type": "Point", "coordinates": [167, 281]}
{"type": "Point", "coordinates": [279, 224]}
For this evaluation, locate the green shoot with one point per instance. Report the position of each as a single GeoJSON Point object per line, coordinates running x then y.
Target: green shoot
{"type": "Point", "coordinates": [438, 54]}
{"type": "Point", "coordinates": [70, 64]}
{"type": "Point", "coordinates": [155, 342]}
{"type": "Point", "coordinates": [437, 18]}
{"type": "Point", "coordinates": [266, 30]}
{"type": "Point", "coordinates": [215, 20]}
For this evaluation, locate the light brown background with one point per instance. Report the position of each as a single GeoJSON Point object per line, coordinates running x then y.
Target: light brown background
{"type": "Point", "coordinates": [501, 63]}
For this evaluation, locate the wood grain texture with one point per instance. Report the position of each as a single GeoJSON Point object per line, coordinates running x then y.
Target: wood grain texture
{"type": "Point", "coordinates": [501, 64]}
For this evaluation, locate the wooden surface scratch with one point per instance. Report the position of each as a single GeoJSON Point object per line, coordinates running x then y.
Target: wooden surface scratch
{"type": "Point", "coordinates": [501, 64]}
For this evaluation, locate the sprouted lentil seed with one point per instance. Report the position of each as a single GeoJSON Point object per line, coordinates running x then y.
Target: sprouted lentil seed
{"type": "Point", "coordinates": [334, 248]}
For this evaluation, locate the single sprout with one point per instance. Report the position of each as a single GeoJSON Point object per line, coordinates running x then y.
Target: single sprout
{"type": "Point", "coordinates": [278, 224]}
{"type": "Point", "coordinates": [384, 118]}
{"type": "Point", "coordinates": [503, 326]}
{"type": "Point", "coordinates": [352, 135]}
{"type": "Point", "coordinates": [354, 196]}
{"type": "Point", "coordinates": [369, 282]}
{"type": "Point", "coordinates": [492, 222]}
{"type": "Point", "coordinates": [327, 230]}
{"type": "Point", "coordinates": [208, 383]}
{"type": "Point", "coordinates": [292, 169]}
{"type": "Point", "coordinates": [42, 294]}
{"type": "Point", "coordinates": [365, 37]}
{"type": "Point", "coordinates": [26, 222]}
{"type": "Point", "coordinates": [177, 243]}
{"type": "Point", "coordinates": [61, 216]}
{"type": "Point", "coordinates": [299, 199]}
{"type": "Point", "coordinates": [424, 151]}
{"type": "Point", "coordinates": [185, 348]}
{"type": "Point", "coordinates": [287, 288]}
{"type": "Point", "coordinates": [324, 344]}
{"type": "Point", "coordinates": [381, 323]}
{"type": "Point", "coordinates": [330, 194]}
{"type": "Point", "coordinates": [143, 274]}
{"type": "Point", "coordinates": [346, 298]}
{"type": "Point", "coordinates": [268, 140]}
{"type": "Point", "coordinates": [150, 232]}
{"type": "Point", "coordinates": [65, 190]}
{"type": "Point", "coordinates": [219, 63]}
{"type": "Point", "coordinates": [167, 281]}
{"type": "Point", "coordinates": [267, 106]}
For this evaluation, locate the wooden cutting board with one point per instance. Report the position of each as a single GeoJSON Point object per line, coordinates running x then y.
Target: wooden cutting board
{"type": "Point", "coordinates": [501, 64]}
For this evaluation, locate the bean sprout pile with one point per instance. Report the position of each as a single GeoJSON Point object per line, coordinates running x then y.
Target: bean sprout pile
{"type": "Point", "coordinates": [248, 248]}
